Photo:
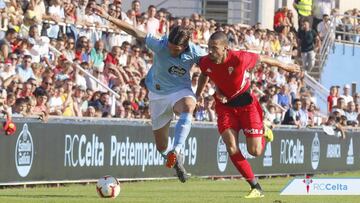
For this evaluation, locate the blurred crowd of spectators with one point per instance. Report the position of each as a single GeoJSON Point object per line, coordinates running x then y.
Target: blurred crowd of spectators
{"type": "Point", "coordinates": [344, 108]}
{"type": "Point", "coordinates": [37, 81]}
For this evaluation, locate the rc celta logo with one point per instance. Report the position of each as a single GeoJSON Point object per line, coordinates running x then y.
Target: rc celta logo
{"type": "Point", "coordinates": [307, 182]}
{"type": "Point", "coordinates": [322, 186]}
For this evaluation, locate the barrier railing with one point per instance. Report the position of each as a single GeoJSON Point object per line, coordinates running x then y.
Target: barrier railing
{"type": "Point", "coordinates": [345, 37]}
{"type": "Point", "coordinates": [114, 95]}
{"type": "Point", "coordinates": [319, 90]}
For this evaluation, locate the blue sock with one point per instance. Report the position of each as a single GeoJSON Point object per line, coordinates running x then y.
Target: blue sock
{"type": "Point", "coordinates": [182, 130]}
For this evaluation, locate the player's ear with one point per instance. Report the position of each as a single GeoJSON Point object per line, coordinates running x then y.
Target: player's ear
{"type": "Point", "coordinates": [226, 45]}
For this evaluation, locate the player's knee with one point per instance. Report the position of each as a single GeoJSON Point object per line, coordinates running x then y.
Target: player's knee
{"type": "Point", "coordinates": [232, 149]}
{"type": "Point", "coordinates": [255, 150]}
{"type": "Point", "coordinates": [188, 108]}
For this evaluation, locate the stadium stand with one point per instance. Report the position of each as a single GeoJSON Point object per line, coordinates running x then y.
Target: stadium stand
{"type": "Point", "coordinates": [43, 43]}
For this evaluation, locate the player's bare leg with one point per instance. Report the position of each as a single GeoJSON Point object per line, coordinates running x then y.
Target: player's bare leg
{"type": "Point", "coordinates": [255, 145]}
{"type": "Point", "coordinates": [161, 139]}
{"type": "Point", "coordinates": [231, 139]}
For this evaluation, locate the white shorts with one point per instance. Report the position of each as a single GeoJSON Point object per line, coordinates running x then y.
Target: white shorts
{"type": "Point", "coordinates": [161, 106]}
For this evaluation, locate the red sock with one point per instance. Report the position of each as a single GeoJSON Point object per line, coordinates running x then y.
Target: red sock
{"type": "Point", "coordinates": [243, 166]}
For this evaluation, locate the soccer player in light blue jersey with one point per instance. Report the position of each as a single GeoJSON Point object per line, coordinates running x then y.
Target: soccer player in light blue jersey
{"type": "Point", "coordinates": [169, 85]}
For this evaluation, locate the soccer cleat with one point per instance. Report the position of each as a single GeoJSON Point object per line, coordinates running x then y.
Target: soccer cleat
{"type": "Point", "coordinates": [269, 136]}
{"type": "Point", "coordinates": [255, 193]}
{"type": "Point", "coordinates": [180, 170]}
{"type": "Point", "coordinates": [171, 159]}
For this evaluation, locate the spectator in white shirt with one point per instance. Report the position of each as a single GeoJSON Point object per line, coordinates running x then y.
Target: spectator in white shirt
{"type": "Point", "coordinates": [24, 70]}
{"type": "Point", "coordinates": [194, 81]}
{"type": "Point", "coordinates": [80, 79]}
{"type": "Point", "coordinates": [320, 8]}
{"type": "Point", "coordinates": [41, 44]}
{"type": "Point", "coordinates": [98, 72]}
{"type": "Point", "coordinates": [250, 39]}
{"type": "Point", "coordinates": [280, 78]}
{"type": "Point", "coordinates": [351, 114]}
{"type": "Point", "coordinates": [32, 51]}
{"type": "Point", "coordinates": [57, 14]}
{"type": "Point", "coordinates": [347, 97]}
{"type": "Point", "coordinates": [80, 9]}
{"type": "Point", "coordinates": [6, 71]}
{"type": "Point", "coordinates": [324, 26]}
{"type": "Point", "coordinates": [56, 103]}
{"type": "Point", "coordinates": [91, 21]}
{"type": "Point", "coordinates": [152, 23]}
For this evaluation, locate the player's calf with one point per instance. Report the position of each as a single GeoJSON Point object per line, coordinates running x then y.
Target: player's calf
{"type": "Point", "coordinates": [255, 151]}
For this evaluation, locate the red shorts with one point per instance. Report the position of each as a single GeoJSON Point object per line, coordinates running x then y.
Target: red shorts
{"type": "Point", "coordinates": [249, 118]}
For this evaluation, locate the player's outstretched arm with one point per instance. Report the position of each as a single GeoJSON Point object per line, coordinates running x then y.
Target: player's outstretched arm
{"type": "Point", "coordinates": [203, 80]}
{"type": "Point", "coordinates": [285, 66]}
{"type": "Point", "coordinates": [126, 27]}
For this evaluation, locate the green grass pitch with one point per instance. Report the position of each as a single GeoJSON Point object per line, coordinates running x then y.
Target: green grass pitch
{"type": "Point", "coordinates": [196, 190]}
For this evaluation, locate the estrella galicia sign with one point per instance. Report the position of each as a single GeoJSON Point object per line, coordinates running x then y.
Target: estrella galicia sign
{"type": "Point", "coordinates": [177, 71]}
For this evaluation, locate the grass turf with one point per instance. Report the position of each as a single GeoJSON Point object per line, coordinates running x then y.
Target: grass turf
{"type": "Point", "coordinates": [196, 190]}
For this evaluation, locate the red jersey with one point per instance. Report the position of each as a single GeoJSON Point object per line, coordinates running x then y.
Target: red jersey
{"type": "Point", "coordinates": [278, 17]}
{"type": "Point", "coordinates": [111, 59]}
{"type": "Point", "coordinates": [230, 77]}
{"type": "Point", "coordinates": [332, 101]}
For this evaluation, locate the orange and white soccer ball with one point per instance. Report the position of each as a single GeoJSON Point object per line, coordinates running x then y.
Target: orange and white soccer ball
{"type": "Point", "coordinates": [108, 187]}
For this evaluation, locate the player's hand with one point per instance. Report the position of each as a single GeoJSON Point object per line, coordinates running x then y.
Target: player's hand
{"type": "Point", "coordinates": [221, 97]}
{"type": "Point", "coordinates": [100, 11]}
{"type": "Point", "coordinates": [199, 98]}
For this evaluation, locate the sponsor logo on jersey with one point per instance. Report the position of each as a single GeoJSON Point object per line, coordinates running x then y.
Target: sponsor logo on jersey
{"type": "Point", "coordinates": [177, 71]}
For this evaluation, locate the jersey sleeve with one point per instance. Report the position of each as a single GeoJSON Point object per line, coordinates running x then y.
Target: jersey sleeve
{"type": "Point", "coordinates": [153, 43]}
{"type": "Point", "coordinates": [248, 59]}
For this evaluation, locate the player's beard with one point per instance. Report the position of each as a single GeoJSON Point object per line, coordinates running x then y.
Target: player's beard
{"type": "Point", "coordinates": [218, 58]}
{"type": "Point", "coordinates": [215, 58]}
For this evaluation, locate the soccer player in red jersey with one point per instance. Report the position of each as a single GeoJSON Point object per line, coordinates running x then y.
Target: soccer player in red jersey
{"type": "Point", "coordinates": [235, 106]}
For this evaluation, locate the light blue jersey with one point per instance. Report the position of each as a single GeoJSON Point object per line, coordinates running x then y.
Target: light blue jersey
{"type": "Point", "coordinates": [170, 74]}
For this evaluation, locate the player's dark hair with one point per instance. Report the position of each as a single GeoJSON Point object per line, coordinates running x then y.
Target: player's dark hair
{"type": "Point", "coordinates": [180, 35]}
{"type": "Point", "coordinates": [219, 36]}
